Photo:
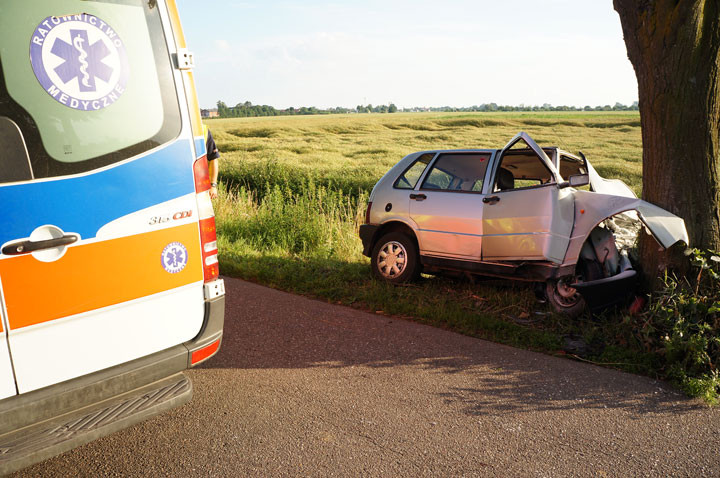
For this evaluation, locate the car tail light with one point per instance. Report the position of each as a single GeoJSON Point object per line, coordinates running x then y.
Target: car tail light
{"type": "Point", "coordinates": [367, 212]}
{"type": "Point", "coordinates": [208, 234]}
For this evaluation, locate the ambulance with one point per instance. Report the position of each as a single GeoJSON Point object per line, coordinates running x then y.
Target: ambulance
{"type": "Point", "coordinates": [109, 283]}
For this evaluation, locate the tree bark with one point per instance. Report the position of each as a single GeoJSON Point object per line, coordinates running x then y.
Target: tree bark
{"type": "Point", "coordinates": [674, 46]}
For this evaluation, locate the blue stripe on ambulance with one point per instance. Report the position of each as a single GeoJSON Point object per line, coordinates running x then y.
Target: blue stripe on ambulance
{"type": "Point", "coordinates": [200, 146]}
{"type": "Point", "coordinates": [105, 196]}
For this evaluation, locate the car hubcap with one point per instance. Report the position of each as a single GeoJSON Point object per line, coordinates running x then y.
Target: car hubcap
{"type": "Point", "coordinates": [566, 295]}
{"type": "Point", "coordinates": [392, 259]}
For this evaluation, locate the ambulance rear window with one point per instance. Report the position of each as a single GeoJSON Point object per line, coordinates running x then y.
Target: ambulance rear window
{"type": "Point", "coordinates": [87, 82]}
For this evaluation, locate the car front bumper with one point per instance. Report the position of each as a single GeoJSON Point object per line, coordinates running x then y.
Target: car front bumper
{"type": "Point", "coordinates": [602, 293]}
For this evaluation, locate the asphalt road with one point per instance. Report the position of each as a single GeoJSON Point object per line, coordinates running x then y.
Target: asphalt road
{"type": "Point", "coordinates": [305, 388]}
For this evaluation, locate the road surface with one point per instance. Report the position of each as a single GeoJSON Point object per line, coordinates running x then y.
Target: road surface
{"type": "Point", "coordinates": [305, 388]}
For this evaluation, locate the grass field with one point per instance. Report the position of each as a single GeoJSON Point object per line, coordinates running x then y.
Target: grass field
{"type": "Point", "coordinates": [351, 152]}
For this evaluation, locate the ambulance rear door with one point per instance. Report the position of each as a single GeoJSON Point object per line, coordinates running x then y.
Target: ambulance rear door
{"type": "Point", "coordinates": [101, 259]}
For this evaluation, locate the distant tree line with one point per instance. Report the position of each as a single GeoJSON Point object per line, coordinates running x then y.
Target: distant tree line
{"type": "Point", "coordinates": [247, 109]}
{"type": "Point", "coordinates": [243, 110]}
{"type": "Point", "coordinates": [521, 107]}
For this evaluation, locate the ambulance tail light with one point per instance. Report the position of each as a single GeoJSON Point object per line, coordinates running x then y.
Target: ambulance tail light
{"type": "Point", "coordinates": [208, 238]}
{"type": "Point", "coordinates": [202, 175]}
{"type": "Point", "coordinates": [208, 234]}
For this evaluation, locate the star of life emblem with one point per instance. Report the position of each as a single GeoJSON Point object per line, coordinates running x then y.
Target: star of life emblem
{"type": "Point", "coordinates": [174, 257]}
{"type": "Point", "coordinates": [80, 61]}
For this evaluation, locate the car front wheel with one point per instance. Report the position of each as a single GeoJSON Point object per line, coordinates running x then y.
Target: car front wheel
{"type": "Point", "coordinates": [395, 258]}
{"type": "Point", "coordinates": [563, 298]}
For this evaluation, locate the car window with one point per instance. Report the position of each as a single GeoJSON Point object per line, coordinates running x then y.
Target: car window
{"type": "Point", "coordinates": [410, 177]}
{"type": "Point", "coordinates": [460, 172]}
{"type": "Point", "coordinates": [521, 169]}
{"type": "Point", "coordinates": [96, 87]}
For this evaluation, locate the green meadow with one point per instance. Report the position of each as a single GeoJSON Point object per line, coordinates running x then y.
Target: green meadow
{"type": "Point", "coordinates": [351, 152]}
{"type": "Point", "coordinates": [293, 192]}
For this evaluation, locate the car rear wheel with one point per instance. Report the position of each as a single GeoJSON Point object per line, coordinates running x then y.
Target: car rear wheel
{"type": "Point", "coordinates": [395, 258]}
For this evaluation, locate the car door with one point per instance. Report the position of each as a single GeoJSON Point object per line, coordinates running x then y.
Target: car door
{"type": "Point", "coordinates": [446, 206]}
{"type": "Point", "coordinates": [101, 258]}
{"type": "Point", "coordinates": [526, 215]}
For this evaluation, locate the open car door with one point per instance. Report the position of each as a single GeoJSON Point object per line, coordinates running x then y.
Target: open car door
{"type": "Point", "coordinates": [526, 216]}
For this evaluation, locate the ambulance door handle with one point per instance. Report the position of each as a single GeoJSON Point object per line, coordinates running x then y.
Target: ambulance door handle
{"type": "Point", "coordinates": [26, 247]}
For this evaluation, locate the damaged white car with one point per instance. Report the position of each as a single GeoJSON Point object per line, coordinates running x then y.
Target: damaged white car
{"type": "Point", "coordinates": [515, 213]}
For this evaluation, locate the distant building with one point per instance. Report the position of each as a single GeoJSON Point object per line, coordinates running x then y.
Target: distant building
{"type": "Point", "coordinates": [210, 113]}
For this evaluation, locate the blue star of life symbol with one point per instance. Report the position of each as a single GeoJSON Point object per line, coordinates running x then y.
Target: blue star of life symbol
{"type": "Point", "coordinates": [175, 257]}
{"type": "Point", "coordinates": [82, 60]}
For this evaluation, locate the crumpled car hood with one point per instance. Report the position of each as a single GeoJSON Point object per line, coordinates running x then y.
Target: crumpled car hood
{"type": "Point", "coordinates": [666, 228]}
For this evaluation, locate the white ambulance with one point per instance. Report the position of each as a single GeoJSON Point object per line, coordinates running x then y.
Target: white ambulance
{"type": "Point", "coordinates": [108, 266]}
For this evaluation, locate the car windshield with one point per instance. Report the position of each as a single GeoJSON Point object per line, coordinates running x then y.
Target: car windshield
{"type": "Point", "coordinates": [521, 168]}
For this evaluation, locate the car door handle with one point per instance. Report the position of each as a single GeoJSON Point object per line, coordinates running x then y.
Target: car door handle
{"type": "Point", "coordinates": [418, 197]}
{"type": "Point", "coordinates": [491, 200]}
{"type": "Point", "coordinates": [26, 247]}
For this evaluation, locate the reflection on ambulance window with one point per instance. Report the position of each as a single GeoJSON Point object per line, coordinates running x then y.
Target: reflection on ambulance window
{"type": "Point", "coordinates": [97, 87]}
{"type": "Point", "coordinates": [14, 161]}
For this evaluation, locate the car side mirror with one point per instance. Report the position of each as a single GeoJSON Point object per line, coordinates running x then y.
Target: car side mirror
{"type": "Point", "coordinates": [576, 181]}
{"type": "Point", "coordinates": [579, 180]}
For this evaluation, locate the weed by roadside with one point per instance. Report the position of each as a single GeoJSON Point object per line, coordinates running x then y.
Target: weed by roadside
{"type": "Point", "coordinates": [682, 327]}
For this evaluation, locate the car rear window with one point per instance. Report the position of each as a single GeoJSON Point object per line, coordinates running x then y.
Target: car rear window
{"type": "Point", "coordinates": [410, 177]}
{"type": "Point", "coordinates": [458, 172]}
{"type": "Point", "coordinates": [83, 84]}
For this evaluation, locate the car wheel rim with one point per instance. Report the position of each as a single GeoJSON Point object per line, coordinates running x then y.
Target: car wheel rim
{"type": "Point", "coordinates": [392, 259]}
{"type": "Point", "coordinates": [565, 295]}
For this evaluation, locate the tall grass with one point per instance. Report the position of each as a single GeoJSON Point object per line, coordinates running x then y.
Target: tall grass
{"type": "Point", "coordinates": [297, 218]}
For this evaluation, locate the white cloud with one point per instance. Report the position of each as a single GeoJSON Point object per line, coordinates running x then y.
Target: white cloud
{"type": "Point", "coordinates": [222, 45]}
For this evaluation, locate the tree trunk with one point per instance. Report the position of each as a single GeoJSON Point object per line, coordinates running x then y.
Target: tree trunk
{"type": "Point", "coordinates": [674, 46]}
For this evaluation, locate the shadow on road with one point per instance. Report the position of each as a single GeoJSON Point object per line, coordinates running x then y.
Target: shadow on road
{"type": "Point", "coordinates": [268, 329]}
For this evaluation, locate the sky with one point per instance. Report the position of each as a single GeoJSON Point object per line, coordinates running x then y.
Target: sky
{"type": "Point", "coordinates": [408, 52]}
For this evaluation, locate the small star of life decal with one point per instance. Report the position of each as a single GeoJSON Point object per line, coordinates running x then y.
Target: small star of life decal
{"type": "Point", "coordinates": [174, 257]}
{"type": "Point", "coordinates": [80, 61]}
